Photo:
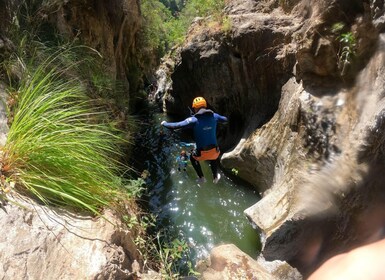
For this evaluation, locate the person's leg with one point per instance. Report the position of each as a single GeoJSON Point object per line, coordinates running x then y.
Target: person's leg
{"type": "Point", "coordinates": [197, 166]}
{"type": "Point", "coordinates": [214, 170]}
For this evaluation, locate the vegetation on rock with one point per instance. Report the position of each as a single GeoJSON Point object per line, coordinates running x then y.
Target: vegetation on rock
{"type": "Point", "coordinates": [61, 148]}
{"type": "Point", "coordinates": [64, 144]}
{"type": "Point", "coordinates": [165, 27]}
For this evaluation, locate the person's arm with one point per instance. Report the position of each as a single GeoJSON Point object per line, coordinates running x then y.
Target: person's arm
{"type": "Point", "coordinates": [220, 118]}
{"type": "Point", "coordinates": [184, 144]}
{"type": "Point", "coordinates": [183, 124]}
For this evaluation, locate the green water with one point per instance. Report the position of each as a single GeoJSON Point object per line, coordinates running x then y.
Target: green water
{"type": "Point", "coordinates": [203, 215]}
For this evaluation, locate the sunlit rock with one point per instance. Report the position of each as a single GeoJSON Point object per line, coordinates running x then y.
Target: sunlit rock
{"type": "Point", "coordinates": [228, 262]}
{"type": "Point", "coordinates": [38, 242]}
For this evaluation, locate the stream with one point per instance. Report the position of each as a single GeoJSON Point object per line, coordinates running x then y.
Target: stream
{"type": "Point", "coordinates": [202, 215]}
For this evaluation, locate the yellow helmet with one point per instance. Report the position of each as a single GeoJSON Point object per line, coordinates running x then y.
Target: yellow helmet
{"type": "Point", "coordinates": [199, 102]}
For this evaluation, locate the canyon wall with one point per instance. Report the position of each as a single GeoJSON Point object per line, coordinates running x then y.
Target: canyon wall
{"type": "Point", "coordinates": [302, 85]}
{"type": "Point", "coordinates": [110, 27]}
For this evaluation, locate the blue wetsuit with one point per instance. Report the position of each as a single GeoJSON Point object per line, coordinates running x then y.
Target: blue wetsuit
{"type": "Point", "coordinates": [182, 161]}
{"type": "Point", "coordinates": [204, 126]}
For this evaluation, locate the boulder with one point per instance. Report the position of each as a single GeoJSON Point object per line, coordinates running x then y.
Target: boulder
{"type": "Point", "coordinates": [227, 262]}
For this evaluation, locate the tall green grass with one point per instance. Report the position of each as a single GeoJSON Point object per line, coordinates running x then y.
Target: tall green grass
{"type": "Point", "coordinates": [59, 148]}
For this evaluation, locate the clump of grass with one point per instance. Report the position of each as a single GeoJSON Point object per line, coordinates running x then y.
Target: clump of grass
{"type": "Point", "coordinates": [59, 149]}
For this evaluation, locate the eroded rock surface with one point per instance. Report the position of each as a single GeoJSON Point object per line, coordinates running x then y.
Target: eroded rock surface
{"type": "Point", "coordinates": [227, 262]}
{"type": "Point", "coordinates": [109, 27]}
{"type": "Point", "coordinates": [44, 243]}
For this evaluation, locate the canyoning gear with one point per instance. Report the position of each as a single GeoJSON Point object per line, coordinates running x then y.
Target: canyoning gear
{"type": "Point", "coordinates": [210, 154]}
{"type": "Point", "coordinates": [191, 111]}
{"type": "Point", "coordinates": [203, 123]}
{"type": "Point", "coordinates": [182, 161]}
{"type": "Point", "coordinates": [205, 129]}
{"type": "Point", "coordinates": [198, 169]}
{"type": "Point", "coordinates": [204, 126]}
{"type": "Point", "coordinates": [199, 102]}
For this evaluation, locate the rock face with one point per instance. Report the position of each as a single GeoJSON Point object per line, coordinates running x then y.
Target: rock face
{"type": "Point", "coordinates": [240, 71]}
{"type": "Point", "coordinates": [334, 182]}
{"type": "Point", "coordinates": [109, 27]}
{"type": "Point", "coordinates": [41, 243]}
{"type": "Point", "coordinates": [302, 84]}
{"type": "Point", "coordinates": [228, 262]}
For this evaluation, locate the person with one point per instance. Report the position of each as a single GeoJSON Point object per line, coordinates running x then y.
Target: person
{"type": "Point", "coordinates": [204, 126]}
{"type": "Point", "coordinates": [365, 262]}
{"type": "Point", "coordinates": [182, 160]}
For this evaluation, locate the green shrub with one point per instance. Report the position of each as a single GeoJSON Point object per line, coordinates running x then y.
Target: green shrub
{"type": "Point", "coordinates": [348, 42]}
{"type": "Point", "coordinates": [347, 46]}
{"type": "Point", "coordinates": [173, 255]}
{"type": "Point", "coordinates": [156, 17]}
{"type": "Point", "coordinates": [59, 148]}
{"type": "Point", "coordinates": [202, 8]}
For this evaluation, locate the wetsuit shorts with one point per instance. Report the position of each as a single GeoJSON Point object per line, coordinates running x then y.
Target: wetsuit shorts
{"type": "Point", "coordinates": [210, 154]}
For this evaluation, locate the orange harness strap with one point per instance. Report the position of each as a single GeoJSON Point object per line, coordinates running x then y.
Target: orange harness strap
{"type": "Point", "coordinates": [211, 154]}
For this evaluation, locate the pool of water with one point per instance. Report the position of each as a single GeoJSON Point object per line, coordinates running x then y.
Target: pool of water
{"type": "Point", "coordinates": [203, 215]}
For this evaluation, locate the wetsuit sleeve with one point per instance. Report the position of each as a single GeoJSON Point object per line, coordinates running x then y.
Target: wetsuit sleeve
{"type": "Point", "coordinates": [184, 144]}
{"type": "Point", "coordinates": [220, 118]}
{"type": "Point", "coordinates": [189, 122]}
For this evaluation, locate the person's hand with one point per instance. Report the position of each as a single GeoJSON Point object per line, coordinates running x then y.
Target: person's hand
{"type": "Point", "coordinates": [163, 122]}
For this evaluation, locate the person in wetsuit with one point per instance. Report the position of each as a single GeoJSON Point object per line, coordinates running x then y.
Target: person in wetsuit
{"type": "Point", "coordinates": [204, 126]}
{"type": "Point", "coordinates": [182, 161]}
